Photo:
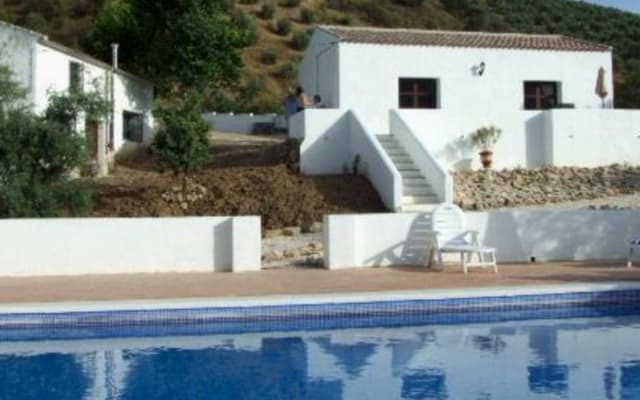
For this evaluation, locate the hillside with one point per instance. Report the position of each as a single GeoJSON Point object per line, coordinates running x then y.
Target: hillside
{"type": "Point", "coordinates": [283, 27]}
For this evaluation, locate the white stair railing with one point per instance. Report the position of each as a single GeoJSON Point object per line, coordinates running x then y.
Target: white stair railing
{"type": "Point", "coordinates": [441, 181]}
{"type": "Point", "coordinates": [377, 165]}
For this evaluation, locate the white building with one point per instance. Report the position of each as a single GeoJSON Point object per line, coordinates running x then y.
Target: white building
{"type": "Point", "coordinates": [43, 67]}
{"type": "Point", "coordinates": [404, 103]}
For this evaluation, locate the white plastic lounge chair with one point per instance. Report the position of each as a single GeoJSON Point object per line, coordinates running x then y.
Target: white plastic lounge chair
{"type": "Point", "coordinates": [635, 244]}
{"type": "Point", "coordinates": [450, 236]}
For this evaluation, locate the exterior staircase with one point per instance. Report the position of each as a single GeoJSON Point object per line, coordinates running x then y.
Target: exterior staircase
{"type": "Point", "coordinates": [417, 195]}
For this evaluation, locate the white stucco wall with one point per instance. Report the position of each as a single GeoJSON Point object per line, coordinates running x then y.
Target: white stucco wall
{"type": "Point", "coordinates": [590, 138]}
{"type": "Point", "coordinates": [16, 52]}
{"type": "Point", "coordinates": [319, 69]}
{"type": "Point", "coordinates": [134, 95]}
{"type": "Point", "coordinates": [331, 139]}
{"type": "Point", "coordinates": [325, 147]}
{"type": "Point", "coordinates": [580, 137]}
{"type": "Point", "coordinates": [45, 247]}
{"type": "Point", "coordinates": [367, 240]}
{"type": "Point", "coordinates": [52, 75]}
{"type": "Point", "coordinates": [447, 136]}
{"type": "Point", "coordinates": [369, 77]}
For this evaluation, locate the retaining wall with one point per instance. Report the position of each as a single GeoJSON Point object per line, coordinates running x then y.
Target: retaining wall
{"type": "Point", "coordinates": [41, 247]}
{"type": "Point", "coordinates": [548, 235]}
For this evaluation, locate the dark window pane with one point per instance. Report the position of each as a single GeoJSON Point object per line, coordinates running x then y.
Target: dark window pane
{"type": "Point", "coordinates": [133, 126]}
{"type": "Point", "coordinates": [406, 85]}
{"type": "Point", "coordinates": [418, 93]}
{"type": "Point", "coordinates": [76, 77]}
{"type": "Point", "coordinates": [540, 95]}
{"type": "Point", "coordinates": [406, 102]}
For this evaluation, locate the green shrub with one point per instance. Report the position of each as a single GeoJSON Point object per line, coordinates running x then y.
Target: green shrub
{"type": "Point", "coordinates": [37, 156]}
{"type": "Point", "coordinates": [283, 26]}
{"type": "Point", "coordinates": [287, 72]}
{"type": "Point", "coordinates": [343, 20]}
{"type": "Point", "coordinates": [269, 56]}
{"type": "Point", "coordinates": [249, 1]}
{"type": "Point", "coordinates": [267, 11]}
{"type": "Point", "coordinates": [247, 26]}
{"type": "Point", "coordinates": [307, 15]}
{"type": "Point", "coordinates": [181, 143]}
{"type": "Point", "coordinates": [290, 3]}
{"type": "Point", "coordinates": [300, 40]}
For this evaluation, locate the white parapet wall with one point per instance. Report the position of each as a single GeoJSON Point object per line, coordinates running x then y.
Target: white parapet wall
{"type": "Point", "coordinates": [47, 247]}
{"type": "Point", "coordinates": [331, 142]}
{"type": "Point", "coordinates": [371, 240]}
{"type": "Point", "coordinates": [244, 123]}
{"type": "Point", "coordinates": [591, 138]}
{"type": "Point", "coordinates": [530, 139]}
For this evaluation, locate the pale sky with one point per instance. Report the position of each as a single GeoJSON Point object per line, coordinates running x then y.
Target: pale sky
{"type": "Point", "coordinates": [628, 5]}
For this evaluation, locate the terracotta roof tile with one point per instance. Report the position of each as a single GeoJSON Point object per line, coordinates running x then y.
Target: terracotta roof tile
{"type": "Point", "coordinates": [414, 37]}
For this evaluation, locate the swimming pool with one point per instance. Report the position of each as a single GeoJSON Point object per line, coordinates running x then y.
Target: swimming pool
{"type": "Point", "coordinates": [584, 347]}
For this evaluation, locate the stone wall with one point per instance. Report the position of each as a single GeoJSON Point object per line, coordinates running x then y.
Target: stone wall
{"type": "Point", "coordinates": [487, 189]}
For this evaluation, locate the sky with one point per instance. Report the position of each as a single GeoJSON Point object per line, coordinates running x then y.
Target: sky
{"type": "Point", "coordinates": [628, 5]}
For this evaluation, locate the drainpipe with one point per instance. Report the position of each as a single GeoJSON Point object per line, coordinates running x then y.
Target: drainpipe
{"type": "Point", "coordinates": [114, 68]}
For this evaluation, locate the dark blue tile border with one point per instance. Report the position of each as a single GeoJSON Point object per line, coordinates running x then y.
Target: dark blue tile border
{"type": "Point", "coordinates": [214, 320]}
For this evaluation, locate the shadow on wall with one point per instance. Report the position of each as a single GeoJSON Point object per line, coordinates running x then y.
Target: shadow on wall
{"type": "Point", "coordinates": [411, 251]}
{"type": "Point", "coordinates": [562, 235]}
{"type": "Point", "coordinates": [458, 153]}
{"type": "Point", "coordinates": [222, 246]}
{"type": "Point", "coordinates": [328, 152]}
{"type": "Point", "coordinates": [535, 137]}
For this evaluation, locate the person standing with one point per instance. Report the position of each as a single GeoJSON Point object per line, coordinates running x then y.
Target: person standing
{"type": "Point", "coordinates": [290, 104]}
{"type": "Point", "coordinates": [302, 100]}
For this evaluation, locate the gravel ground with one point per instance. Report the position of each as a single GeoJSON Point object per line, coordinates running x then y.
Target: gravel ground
{"type": "Point", "coordinates": [303, 250]}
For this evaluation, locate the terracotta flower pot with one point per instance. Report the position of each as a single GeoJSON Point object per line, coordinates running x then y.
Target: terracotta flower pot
{"type": "Point", "coordinates": [486, 157]}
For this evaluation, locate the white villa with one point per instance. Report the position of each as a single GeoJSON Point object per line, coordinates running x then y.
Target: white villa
{"type": "Point", "coordinates": [43, 67]}
{"type": "Point", "coordinates": [403, 103]}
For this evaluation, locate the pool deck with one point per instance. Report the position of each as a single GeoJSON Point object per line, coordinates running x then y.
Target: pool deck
{"type": "Point", "coordinates": [299, 281]}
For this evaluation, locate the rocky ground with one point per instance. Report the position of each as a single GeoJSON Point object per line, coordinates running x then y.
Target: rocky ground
{"type": "Point", "coordinates": [613, 186]}
{"type": "Point", "coordinates": [248, 175]}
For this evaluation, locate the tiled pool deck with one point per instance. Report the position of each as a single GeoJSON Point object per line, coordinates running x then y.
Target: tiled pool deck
{"type": "Point", "coordinates": [299, 281]}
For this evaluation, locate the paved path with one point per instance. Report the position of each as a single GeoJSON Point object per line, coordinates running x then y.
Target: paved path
{"type": "Point", "coordinates": [297, 281]}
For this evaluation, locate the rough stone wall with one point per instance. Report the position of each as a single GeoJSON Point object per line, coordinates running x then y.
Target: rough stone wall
{"type": "Point", "coordinates": [487, 189]}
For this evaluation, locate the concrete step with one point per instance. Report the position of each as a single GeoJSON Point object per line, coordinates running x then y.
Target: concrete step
{"type": "Point", "coordinates": [386, 138]}
{"type": "Point", "coordinates": [410, 174]}
{"type": "Point", "coordinates": [400, 158]}
{"type": "Point", "coordinates": [417, 191]}
{"type": "Point", "coordinates": [419, 208]}
{"type": "Point", "coordinates": [412, 200]}
{"type": "Point", "coordinates": [406, 166]}
{"type": "Point", "coordinates": [415, 182]}
{"type": "Point", "coordinates": [397, 153]}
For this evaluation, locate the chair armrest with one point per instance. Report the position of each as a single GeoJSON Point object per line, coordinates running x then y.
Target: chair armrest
{"type": "Point", "coordinates": [474, 237]}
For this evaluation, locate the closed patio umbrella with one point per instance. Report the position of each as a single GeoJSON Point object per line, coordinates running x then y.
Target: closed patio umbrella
{"type": "Point", "coordinates": [601, 85]}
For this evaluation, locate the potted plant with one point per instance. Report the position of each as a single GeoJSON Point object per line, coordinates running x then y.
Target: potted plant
{"type": "Point", "coordinates": [485, 138]}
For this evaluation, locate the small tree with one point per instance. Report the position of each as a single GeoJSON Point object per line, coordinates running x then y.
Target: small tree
{"type": "Point", "coordinates": [181, 144]}
{"type": "Point", "coordinates": [37, 156]}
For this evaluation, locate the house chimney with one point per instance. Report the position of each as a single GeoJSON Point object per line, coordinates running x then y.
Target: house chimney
{"type": "Point", "coordinates": [114, 55]}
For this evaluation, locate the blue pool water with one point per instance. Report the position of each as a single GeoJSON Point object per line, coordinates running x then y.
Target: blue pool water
{"type": "Point", "coordinates": [568, 358]}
